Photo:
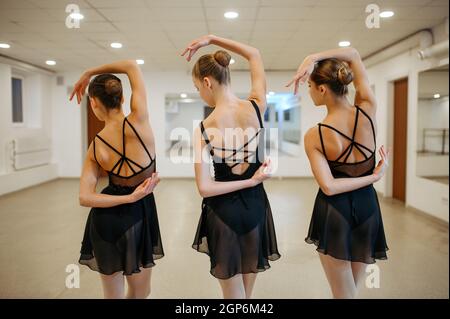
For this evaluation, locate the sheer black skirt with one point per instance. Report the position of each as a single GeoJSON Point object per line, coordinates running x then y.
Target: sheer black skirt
{"type": "Point", "coordinates": [237, 231]}
{"type": "Point", "coordinates": [349, 226]}
{"type": "Point", "coordinates": [122, 238]}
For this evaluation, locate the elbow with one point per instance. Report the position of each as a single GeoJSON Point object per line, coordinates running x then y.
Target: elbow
{"type": "Point", "coordinates": [131, 64]}
{"type": "Point", "coordinates": [82, 200]}
{"type": "Point", "coordinates": [327, 189]}
{"type": "Point", "coordinates": [254, 54]}
{"type": "Point", "coordinates": [354, 54]}
{"type": "Point", "coordinates": [202, 191]}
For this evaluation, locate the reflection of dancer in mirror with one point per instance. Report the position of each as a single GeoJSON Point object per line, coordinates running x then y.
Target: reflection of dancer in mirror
{"type": "Point", "coordinates": [122, 235]}
{"type": "Point", "coordinates": [346, 224]}
{"type": "Point", "coordinates": [236, 228]}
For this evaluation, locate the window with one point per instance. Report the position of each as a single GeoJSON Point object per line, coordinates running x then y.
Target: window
{"type": "Point", "coordinates": [267, 114]}
{"type": "Point", "coordinates": [287, 115]}
{"type": "Point", "coordinates": [17, 100]}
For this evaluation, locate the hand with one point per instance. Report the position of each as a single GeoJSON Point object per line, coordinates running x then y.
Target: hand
{"type": "Point", "coordinates": [303, 72]}
{"type": "Point", "coordinates": [264, 172]}
{"type": "Point", "coordinates": [195, 45]}
{"type": "Point", "coordinates": [145, 188]}
{"type": "Point", "coordinates": [383, 164]}
{"type": "Point", "coordinates": [80, 87]}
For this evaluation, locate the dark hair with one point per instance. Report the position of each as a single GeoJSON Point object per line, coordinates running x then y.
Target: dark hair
{"type": "Point", "coordinates": [334, 73]}
{"type": "Point", "coordinates": [108, 89]}
{"type": "Point", "coordinates": [215, 65]}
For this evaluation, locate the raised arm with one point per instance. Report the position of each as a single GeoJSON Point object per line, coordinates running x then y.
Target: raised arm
{"type": "Point", "coordinates": [364, 95]}
{"type": "Point", "coordinates": [138, 103]}
{"type": "Point", "coordinates": [321, 171]}
{"type": "Point", "coordinates": [207, 186]}
{"type": "Point", "coordinates": [251, 54]}
{"type": "Point", "coordinates": [89, 177]}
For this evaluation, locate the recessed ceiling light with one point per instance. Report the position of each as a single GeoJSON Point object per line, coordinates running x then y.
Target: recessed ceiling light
{"type": "Point", "coordinates": [116, 45]}
{"type": "Point", "coordinates": [76, 16]}
{"type": "Point", "coordinates": [271, 93]}
{"type": "Point", "coordinates": [4, 46]}
{"type": "Point", "coordinates": [183, 95]}
{"type": "Point", "coordinates": [437, 95]}
{"type": "Point", "coordinates": [140, 61]}
{"type": "Point", "coordinates": [232, 61]}
{"type": "Point", "coordinates": [386, 14]}
{"type": "Point", "coordinates": [50, 62]}
{"type": "Point", "coordinates": [344, 43]}
{"type": "Point", "coordinates": [231, 14]}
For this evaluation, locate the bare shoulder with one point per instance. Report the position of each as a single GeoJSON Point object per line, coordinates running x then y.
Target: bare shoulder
{"type": "Point", "coordinates": [90, 155]}
{"type": "Point", "coordinates": [311, 138]}
{"type": "Point", "coordinates": [369, 108]}
{"type": "Point", "coordinates": [209, 121]}
{"type": "Point", "coordinates": [261, 103]}
{"type": "Point", "coordinates": [138, 120]}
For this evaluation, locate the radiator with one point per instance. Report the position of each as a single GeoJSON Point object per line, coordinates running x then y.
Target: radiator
{"type": "Point", "coordinates": [30, 152]}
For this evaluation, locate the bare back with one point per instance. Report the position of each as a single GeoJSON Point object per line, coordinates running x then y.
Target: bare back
{"type": "Point", "coordinates": [126, 153]}
{"type": "Point", "coordinates": [348, 142]}
{"type": "Point", "coordinates": [235, 147]}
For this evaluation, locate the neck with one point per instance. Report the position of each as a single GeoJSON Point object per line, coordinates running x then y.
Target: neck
{"type": "Point", "coordinates": [336, 103]}
{"type": "Point", "coordinates": [114, 117]}
{"type": "Point", "coordinates": [223, 96]}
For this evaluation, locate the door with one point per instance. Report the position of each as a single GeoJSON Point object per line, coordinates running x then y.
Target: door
{"type": "Point", "coordinates": [400, 139]}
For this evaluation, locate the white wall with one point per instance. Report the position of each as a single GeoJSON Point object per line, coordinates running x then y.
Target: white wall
{"type": "Point", "coordinates": [425, 195]}
{"type": "Point", "coordinates": [37, 92]}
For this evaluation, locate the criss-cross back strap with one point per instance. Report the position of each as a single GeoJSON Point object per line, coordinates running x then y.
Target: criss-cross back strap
{"type": "Point", "coordinates": [123, 158]}
{"type": "Point", "coordinates": [371, 125]}
{"type": "Point", "coordinates": [139, 138]}
{"type": "Point", "coordinates": [256, 107]}
{"type": "Point", "coordinates": [347, 151]}
{"type": "Point", "coordinates": [234, 151]}
{"type": "Point", "coordinates": [205, 137]}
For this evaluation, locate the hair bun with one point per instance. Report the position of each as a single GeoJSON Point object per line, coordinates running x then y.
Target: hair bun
{"type": "Point", "coordinates": [222, 57]}
{"type": "Point", "coordinates": [113, 87]}
{"type": "Point", "coordinates": [344, 74]}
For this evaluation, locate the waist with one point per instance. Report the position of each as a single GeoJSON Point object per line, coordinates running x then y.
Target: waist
{"type": "Point", "coordinates": [252, 191]}
{"type": "Point", "coordinates": [364, 189]}
{"type": "Point", "coordinates": [116, 189]}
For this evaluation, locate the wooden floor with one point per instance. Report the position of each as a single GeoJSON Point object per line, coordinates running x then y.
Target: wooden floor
{"type": "Point", "coordinates": [42, 227]}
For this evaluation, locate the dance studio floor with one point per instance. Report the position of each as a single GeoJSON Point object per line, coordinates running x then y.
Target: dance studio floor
{"type": "Point", "coordinates": [42, 227]}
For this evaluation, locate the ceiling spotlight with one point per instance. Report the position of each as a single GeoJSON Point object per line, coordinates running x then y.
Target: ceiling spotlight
{"type": "Point", "coordinates": [232, 61]}
{"type": "Point", "coordinates": [183, 95]}
{"type": "Point", "coordinates": [4, 46]}
{"type": "Point", "coordinates": [116, 45]}
{"type": "Point", "coordinates": [386, 14]}
{"type": "Point", "coordinates": [437, 95]}
{"type": "Point", "coordinates": [271, 93]}
{"type": "Point", "coordinates": [140, 61]}
{"type": "Point", "coordinates": [50, 62]}
{"type": "Point", "coordinates": [231, 15]}
{"type": "Point", "coordinates": [344, 43]}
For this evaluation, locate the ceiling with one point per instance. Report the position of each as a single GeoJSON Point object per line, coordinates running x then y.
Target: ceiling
{"type": "Point", "coordinates": [157, 30]}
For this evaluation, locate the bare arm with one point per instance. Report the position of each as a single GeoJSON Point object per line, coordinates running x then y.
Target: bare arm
{"type": "Point", "coordinates": [321, 171]}
{"type": "Point", "coordinates": [251, 54]}
{"type": "Point", "coordinates": [88, 197]}
{"type": "Point", "coordinates": [364, 95]}
{"type": "Point", "coordinates": [207, 186]}
{"type": "Point", "coordinates": [138, 102]}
